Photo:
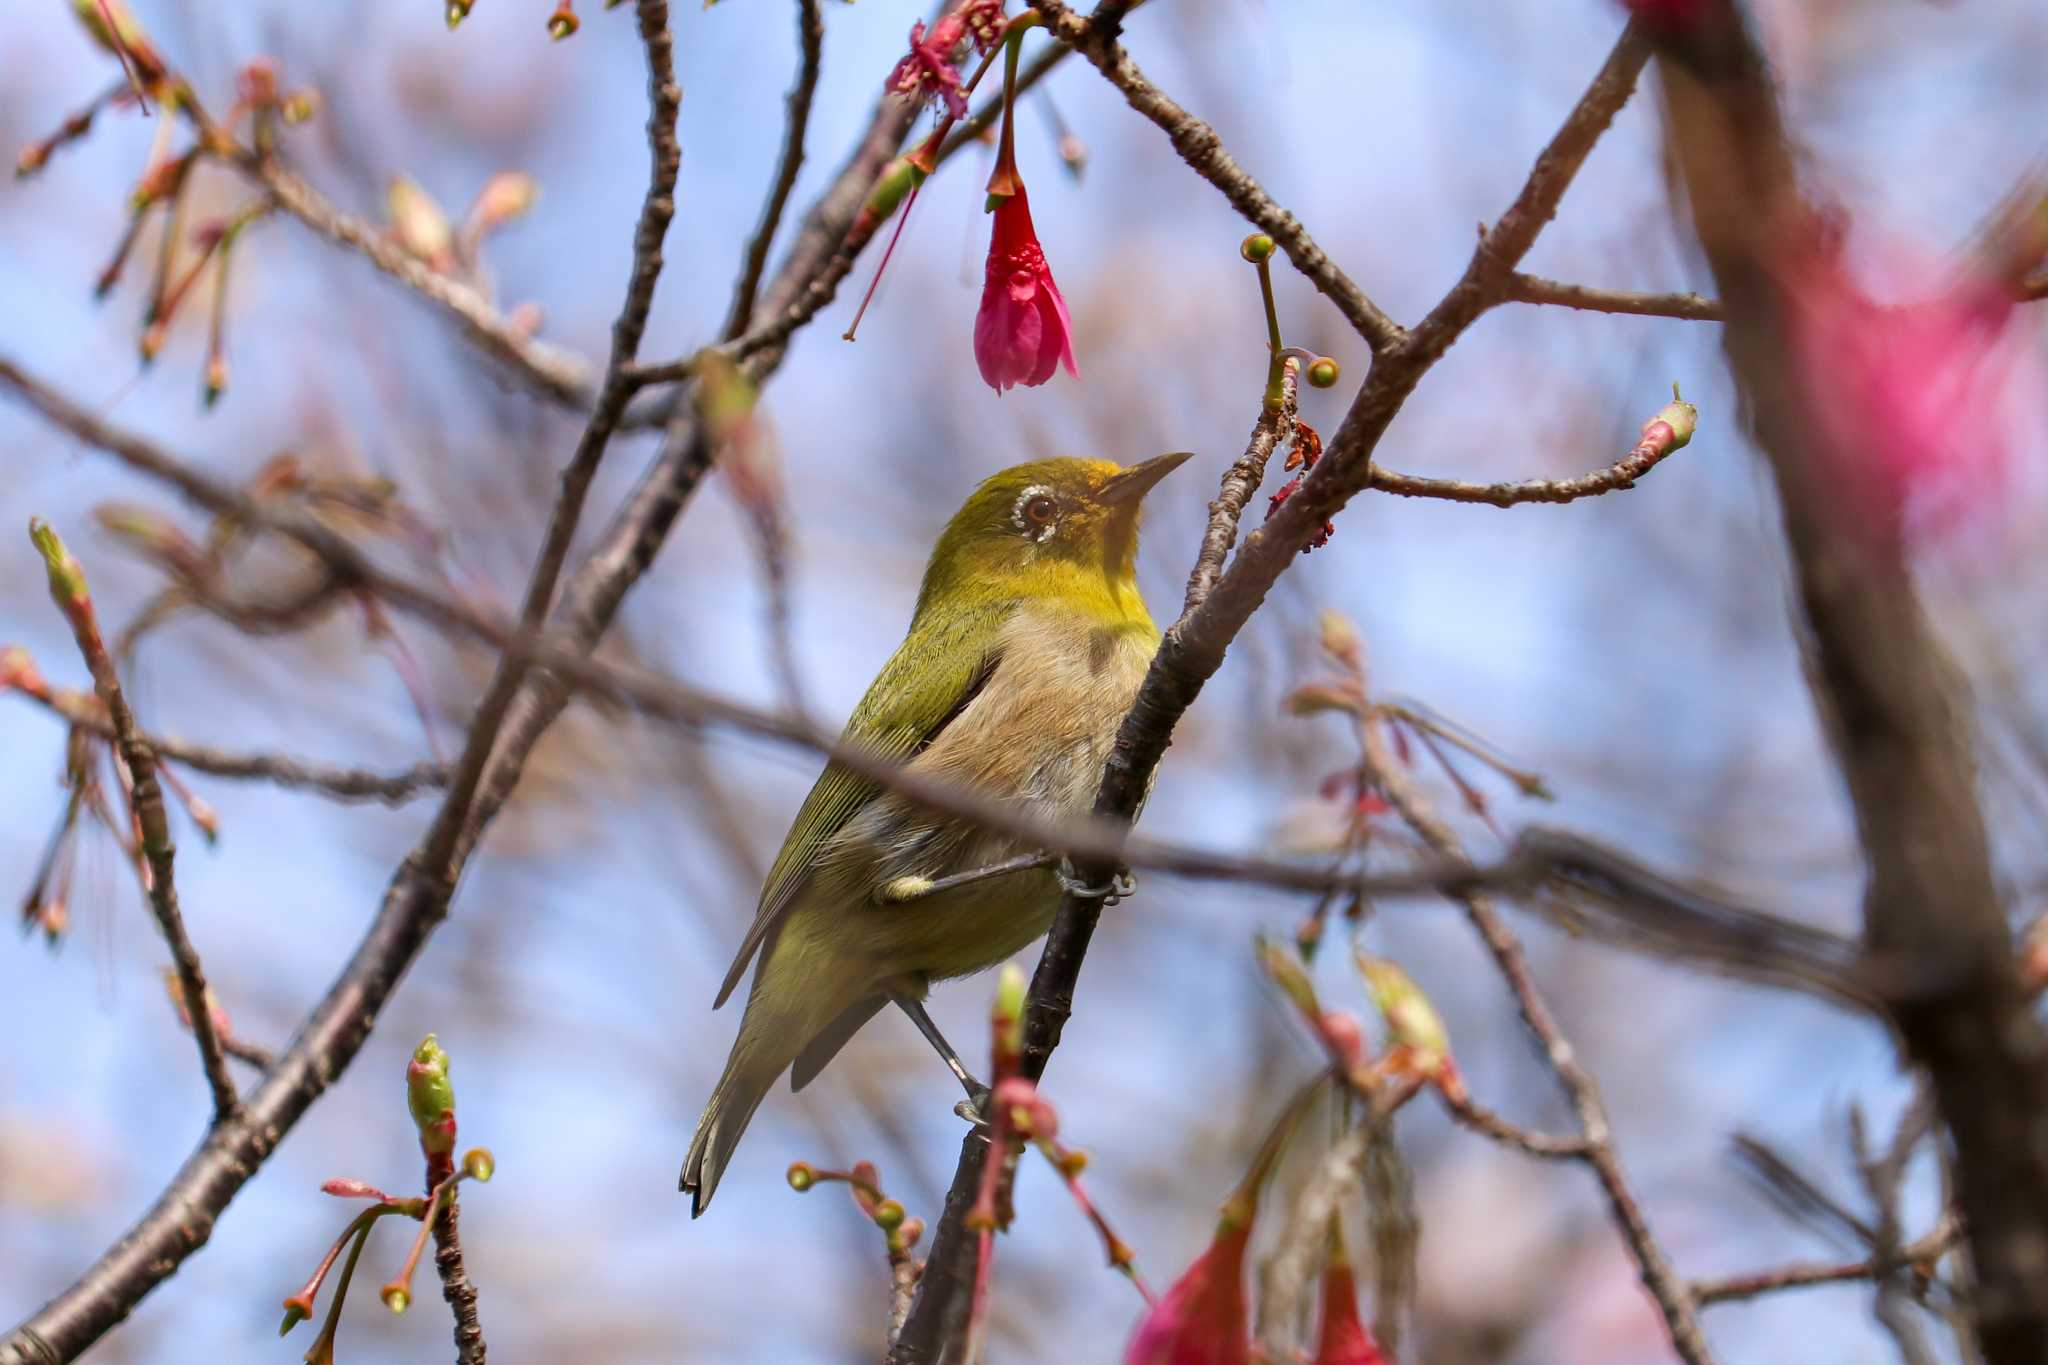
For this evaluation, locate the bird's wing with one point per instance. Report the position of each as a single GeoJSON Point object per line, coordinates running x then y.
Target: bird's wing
{"type": "Point", "coordinates": [931, 678]}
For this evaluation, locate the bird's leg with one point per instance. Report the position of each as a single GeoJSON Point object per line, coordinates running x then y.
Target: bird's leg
{"type": "Point", "coordinates": [903, 890]}
{"type": "Point", "coordinates": [977, 1093]}
{"type": "Point", "coordinates": [1117, 888]}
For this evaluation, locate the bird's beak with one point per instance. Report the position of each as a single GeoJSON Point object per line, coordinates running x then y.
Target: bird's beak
{"type": "Point", "coordinates": [1128, 486]}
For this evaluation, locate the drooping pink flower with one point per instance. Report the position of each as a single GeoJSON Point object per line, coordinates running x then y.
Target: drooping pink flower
{"type": "Point", "coordinates": [928, 71]}
{"type": "Point", "coordinates": [1022, 332]}
{"type": "Point", "coordinates": [1346, 1340]}
{"type": "Point", "coordinates": [1201, 1319]}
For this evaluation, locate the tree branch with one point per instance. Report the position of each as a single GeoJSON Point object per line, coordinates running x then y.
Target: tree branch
{"type": "Point", "coordinates": [1689, 307]}
{"type": "Point", "coordinates": [810, 32]}
{"type": "Point", "coordinates": [1204, 152]}
{"type": "Point", "coordinates": [146, 801]}
{"type": "Point", "coordinates": [347, 784]}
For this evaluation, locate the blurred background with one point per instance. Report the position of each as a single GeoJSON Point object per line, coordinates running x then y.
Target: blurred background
{"type": "Point", "coordinates": [1633, 649]}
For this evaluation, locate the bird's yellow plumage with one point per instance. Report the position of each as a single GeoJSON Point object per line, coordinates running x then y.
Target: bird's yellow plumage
{"type": "Point", "coordinates": [1026, 649]}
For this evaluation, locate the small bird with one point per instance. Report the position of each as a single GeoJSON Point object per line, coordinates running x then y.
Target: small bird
{"type": "Point", "coordinates": [1026, 649]}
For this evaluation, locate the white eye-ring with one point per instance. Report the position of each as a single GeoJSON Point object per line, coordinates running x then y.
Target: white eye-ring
{"type": "Point", "coordinates": [1036, 513]}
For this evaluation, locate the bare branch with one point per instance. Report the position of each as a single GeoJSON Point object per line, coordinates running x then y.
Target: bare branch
{"type": "Point", "coordinates": [1690, 307]}
{"type": "Point", "coordinates": [810, 32]}
{"type": "Point", "coordinates": [549, 370]}
{"type": "Point", "coordinates": [1485, 1122]}
{"type": "Point", "coordinates": [456, 1286]}
{"type": "Point", "coordinates": [348, 784]}
{"type": "Point", "coordinates": [1923, 1252]}
{"type": "Point", "coordinates": [146, 801]}
{"type": "Point", "coordinates": [1204, 152]}
{"type": "Point", "coordinates": [1240, 482]}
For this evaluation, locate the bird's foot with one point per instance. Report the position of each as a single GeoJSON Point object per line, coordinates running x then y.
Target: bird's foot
{"type": "Point", "coordinates": [975, 1108]}
{"type": "Point", "coordinates": [1118, 887]}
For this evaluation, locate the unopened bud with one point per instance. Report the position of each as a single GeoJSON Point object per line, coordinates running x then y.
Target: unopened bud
{"type": "Point", "coordinates": [1677, 417]}
{"type": "Point", "coordinates": [396, 1298]}
{"type": "Point", "coordinates": [1314, 698]}
{"type": "Point", "coordinates": [1287, 974]}
{"type": "Point", "coordinates": [1341, 1030]}
{"type": "Point", "coordinates": [1412, 1020]}
{"type": "Point", "coordinates": [801, 1176]}
{"type": "Point", "coordinates": [1255, 248]}
{"type": "Point", "coordinates": [296, 1311]}
{"type": "Point", "coordinates": [562, 22]}
{"type": "Point", "coordinates": [1073, 1161]}
{"type": "Point", "coordinates": [300, 106]}
{"type": "Point", "coordinates": [67, 578]}
{"type": "Point", "coordinates": [478, 1164]}
{"type": "Point", "coordinates": [504, 197]}
{"type": "Point", "coordinates": [888, 1215]}
{"type": "Point", "coordinates": [430, 1096]}
{"type": "Point", "coordinates": [1339, 636]}
{"type": "Point", "coordinates": [912, 1229]}
{"type": "Point", "coordinates": [256, 83]}
{"type": "Point", "coordinates": [457, 11]}
{"type": "Point", "coordinates": [343, 1188]}
{"type": "Point", "coordinates": [418, 223]}
{"type": "Point", "coordinates": [215, 382]}
{"type": "Point", "coordinates": [1323, 373]}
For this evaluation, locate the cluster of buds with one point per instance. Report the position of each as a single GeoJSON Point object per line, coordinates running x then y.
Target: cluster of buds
{"type": "Point", "coordinates": [900, 1232]}
{"type": "Point", "coordinates": [431, 1100]}
{"type": "Point", "coordinates": [424, 230]}
{"type": "Point", "coordinates": [1321, 371]}
{"type": "Point", "coordinates": [183, 255]}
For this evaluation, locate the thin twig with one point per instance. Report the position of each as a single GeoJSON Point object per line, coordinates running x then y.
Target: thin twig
{"type": "Point", "coordinates": [1924, 1251]}
{"type": "Point", "coordinates": [555, 373]}
{"type": "Point", "coordinates": [1204, 152]}
{"type": "Point", "coordinates": [1689, 307]}
{"type": "Point", "coordinates": [347, 784]}
{"type": "Point", "coordinates": [810, 32]}
{"type": "Point", "coordinates": [1485, 1122]}
{"type": "Point", "coordinates": [1623, 473]}
{"type": "Point", "coordinates": [456, 1286]}
{"type": "Point", "coordinates": [1240, 482]}
{"type": "Point", "coordinates": [146, 800]}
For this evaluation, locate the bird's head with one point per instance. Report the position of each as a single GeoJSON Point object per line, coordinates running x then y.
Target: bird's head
{"type": "Point", "coordinates": [1050, 528]}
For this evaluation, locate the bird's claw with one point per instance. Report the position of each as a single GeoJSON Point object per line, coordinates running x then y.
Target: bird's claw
{"type": "Point", "coordinates": [975, 1107]}
{"type": "Point", "coordinates": [1118, 887]}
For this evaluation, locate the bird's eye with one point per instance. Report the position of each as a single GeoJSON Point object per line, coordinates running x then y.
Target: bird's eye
{"type": "Point", "coordinates": [1035, 513]}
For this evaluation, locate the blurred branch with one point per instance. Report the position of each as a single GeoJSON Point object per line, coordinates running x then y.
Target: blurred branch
{"type": "Point", "coordinates": [984, 118]}
{"type": "Point", "coordinates": [1689, 307]}
{"type": "Point", "coordinates": [349, 784]}
{"type": "Point", "coordinates": [1883, 684]}
{"type": "Point", "coordinates": [810, 32]}
{"type": "Point", "coordinates": [146, 803]}
{"type": "Point", "coordinates": [1486, 1123]}
{"type": "Point", "coordinates": [1672, 1297]}
{"type": "Point", "coordinates": [551, 371]}
{"type": "Point", "coordinates": [1204, 152]}
{"type": "Point", "coordinates": [1923, 1252]}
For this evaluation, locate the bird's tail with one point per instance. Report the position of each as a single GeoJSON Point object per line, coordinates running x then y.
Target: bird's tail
{"type": "Point", "coordinates": [772, 1033]}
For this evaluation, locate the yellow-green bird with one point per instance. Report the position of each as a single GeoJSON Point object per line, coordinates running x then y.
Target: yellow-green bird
{"type": "Point", "coordinates": [1025, 651]}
